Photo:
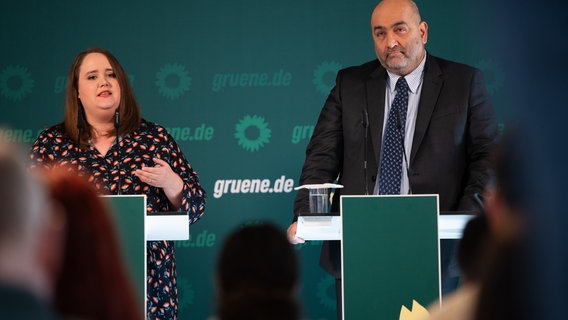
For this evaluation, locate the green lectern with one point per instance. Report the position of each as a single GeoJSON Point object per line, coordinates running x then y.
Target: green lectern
{"type": "Point", "coordinates": [390, 255]}
{"type": "Point", "coordinates": [129, 214]}
{"type": "Point", "coordinates": [134, 226]}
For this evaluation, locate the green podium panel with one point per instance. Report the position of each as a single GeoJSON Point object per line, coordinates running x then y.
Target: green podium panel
{"type": "Point", "coordinates": [129, 213]}
{"type": "Point", "coordinates": [390, 255]}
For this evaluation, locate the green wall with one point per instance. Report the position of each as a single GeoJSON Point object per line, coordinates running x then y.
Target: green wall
{"type": "Point", "coordinates": [238, 83]}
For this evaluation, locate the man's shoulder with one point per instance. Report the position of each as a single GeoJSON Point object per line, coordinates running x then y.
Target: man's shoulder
{"type": "Point", "coordinates": [446, 65]}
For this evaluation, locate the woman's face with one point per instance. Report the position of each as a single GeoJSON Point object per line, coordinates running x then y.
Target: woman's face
{"type": "Point", "coordinates": [98, 88]}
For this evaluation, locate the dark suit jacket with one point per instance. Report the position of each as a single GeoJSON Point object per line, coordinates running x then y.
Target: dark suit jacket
{"type": "Point", "coordinates": [455, 131]}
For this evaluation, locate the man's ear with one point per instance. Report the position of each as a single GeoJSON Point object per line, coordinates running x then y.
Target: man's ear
{"type": "Point", "coordinates": [423, 29]}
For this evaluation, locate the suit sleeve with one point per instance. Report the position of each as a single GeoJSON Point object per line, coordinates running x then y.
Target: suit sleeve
{"type": "Point", "coordinates": [324, 153]}
{"type": "Point", "coordinates": [482, 136]}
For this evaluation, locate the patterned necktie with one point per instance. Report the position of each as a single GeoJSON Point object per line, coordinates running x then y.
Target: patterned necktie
{"type": "Point", "coordinates": [391, 163]}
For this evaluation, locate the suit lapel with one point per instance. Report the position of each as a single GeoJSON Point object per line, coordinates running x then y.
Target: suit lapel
{"type": "Point", "coordinates": [431, 86]}
{"type": "Point", "coordinates": [375, 89]}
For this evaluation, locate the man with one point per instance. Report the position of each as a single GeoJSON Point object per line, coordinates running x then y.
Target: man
{"type": "Point", "coordinates": [31, 242]}
{"type": "Point", "coordinates": [448, 128]}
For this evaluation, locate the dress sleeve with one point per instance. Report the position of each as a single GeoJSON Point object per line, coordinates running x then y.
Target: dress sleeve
{"type": "Point", "coordinates": [193, 195]}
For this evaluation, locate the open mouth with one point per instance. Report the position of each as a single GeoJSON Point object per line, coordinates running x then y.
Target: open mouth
{"type": "Point", "coordinates": [105, 93]}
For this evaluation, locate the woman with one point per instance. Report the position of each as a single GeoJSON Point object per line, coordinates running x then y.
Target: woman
{"type": "Point", "coordinates": [104, 138]}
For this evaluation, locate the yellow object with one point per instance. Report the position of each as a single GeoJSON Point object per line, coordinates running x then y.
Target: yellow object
{"type": "Point", "coordinates": [418, 312]}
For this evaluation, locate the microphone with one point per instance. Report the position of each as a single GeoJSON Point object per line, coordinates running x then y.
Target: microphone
{"type": "Point", "coordinates": [116, 120]}
{"type": "Point", "coordinates": [79, 125]}
{"type": "Point", "coordinates": [401, 133]}
{"type": "Point", "coordinates": [478, 198]}
{"type": "Point", "coordinates": [365, 122]}
{"type": "Point", "coordinates": [116, 126]}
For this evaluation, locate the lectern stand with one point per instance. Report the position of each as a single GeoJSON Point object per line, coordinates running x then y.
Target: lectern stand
{"type": "Point", "coordinates": [390, 255]}
{"type": "Point", "coordinates": [390, 251]}
{"type": "Point", "coordinates": [134, 227]}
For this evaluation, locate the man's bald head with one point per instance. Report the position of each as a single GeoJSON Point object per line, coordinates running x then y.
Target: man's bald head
{"type": "Point", "coordinates": [399, 35]}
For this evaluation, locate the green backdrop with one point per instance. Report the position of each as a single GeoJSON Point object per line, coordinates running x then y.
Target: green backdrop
{"type": "Point", "coordinates": [238, 83]}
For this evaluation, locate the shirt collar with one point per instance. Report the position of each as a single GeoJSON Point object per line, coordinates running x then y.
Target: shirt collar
{"type": "Point", "coordinates": [413, 79]}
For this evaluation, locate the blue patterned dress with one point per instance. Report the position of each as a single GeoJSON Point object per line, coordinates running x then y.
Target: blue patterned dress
{"type": "Point", "coordinates": [55, 149]}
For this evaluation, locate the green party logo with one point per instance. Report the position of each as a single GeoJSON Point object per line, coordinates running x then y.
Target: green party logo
{"type": "Point", "coordinates": [323, 72]}
{"type": "Point", "coordinates": [173, 81]}
{"type": "Point", "coordinates": [15, 83]}
{"type": "Point", "coordinates": [252, 133]}
{"type": "Point", "coordinates": [203, 239]}
{"type": "Point", "coordinates": [493, 75]}
{"type": "Point", "coordinates": [186, 293]}
{"type": "Point", "coordinates": [326, 292]}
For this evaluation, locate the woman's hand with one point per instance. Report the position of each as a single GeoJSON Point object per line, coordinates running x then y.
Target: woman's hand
{"type": "Point", "coordinates": [162, 176]}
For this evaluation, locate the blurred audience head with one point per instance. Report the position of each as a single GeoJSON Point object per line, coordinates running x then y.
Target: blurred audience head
{"type": "Point", "coordinates": [94, 283]}
{"type": "Point", "coordinates": [31, 231]}
{"type": "Point", "coordinates": [257, 275]}
{"type": "Point", "coordinates": [509, 205]}
{"type": "Point", "coordinates": [472, 247]}
{"type": "Point", "coordinates": [508, 196]}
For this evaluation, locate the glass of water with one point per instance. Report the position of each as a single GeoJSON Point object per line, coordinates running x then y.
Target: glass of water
{"type": "Point", "coordinates": [319, 200]}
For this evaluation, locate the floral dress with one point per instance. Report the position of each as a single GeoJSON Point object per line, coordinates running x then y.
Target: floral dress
{"type": "Point", "coordinates": [114, 171]}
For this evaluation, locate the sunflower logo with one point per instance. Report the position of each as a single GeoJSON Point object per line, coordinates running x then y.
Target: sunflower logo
{"type": "Point", "coordinates": [252, 132]}
{"type": "Point", "coordinates": [186, 293]}
{"type": "Point", "coordinates": [322, 72]}
{"type": "Point", "coordinates": [493, 73]}
{"type": "Point", "coordinates": [326, 292]}
{"type": "Point", "coordinates": [15, 83]}
{"type": "Point", "coordinates": [173, 81]}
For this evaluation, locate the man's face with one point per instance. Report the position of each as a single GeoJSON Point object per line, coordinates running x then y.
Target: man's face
{"type": "Point", "coordinates": [399, 36]}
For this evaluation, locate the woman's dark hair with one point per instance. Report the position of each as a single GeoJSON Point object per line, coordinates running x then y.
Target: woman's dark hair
{"type": "Point", "coordinates": [130, 116]}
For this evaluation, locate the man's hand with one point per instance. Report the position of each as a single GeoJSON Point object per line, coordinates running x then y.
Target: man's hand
{"type": "Point", "coordinates": [292, 234]}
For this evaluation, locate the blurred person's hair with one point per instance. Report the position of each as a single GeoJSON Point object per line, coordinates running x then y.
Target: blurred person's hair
{"type": "Point", "coordinates": [31, 230]}
{"type": "Point", "coordinates": [94, 283]}
{"type": "Point", "coordinates": [472, 247]}
{"type": "Point", "coordinates": [22, 198]}
{"type": "Point", "coordinates": [257, 275]}
{"type": "Point", "coordinates": [503, 294]}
